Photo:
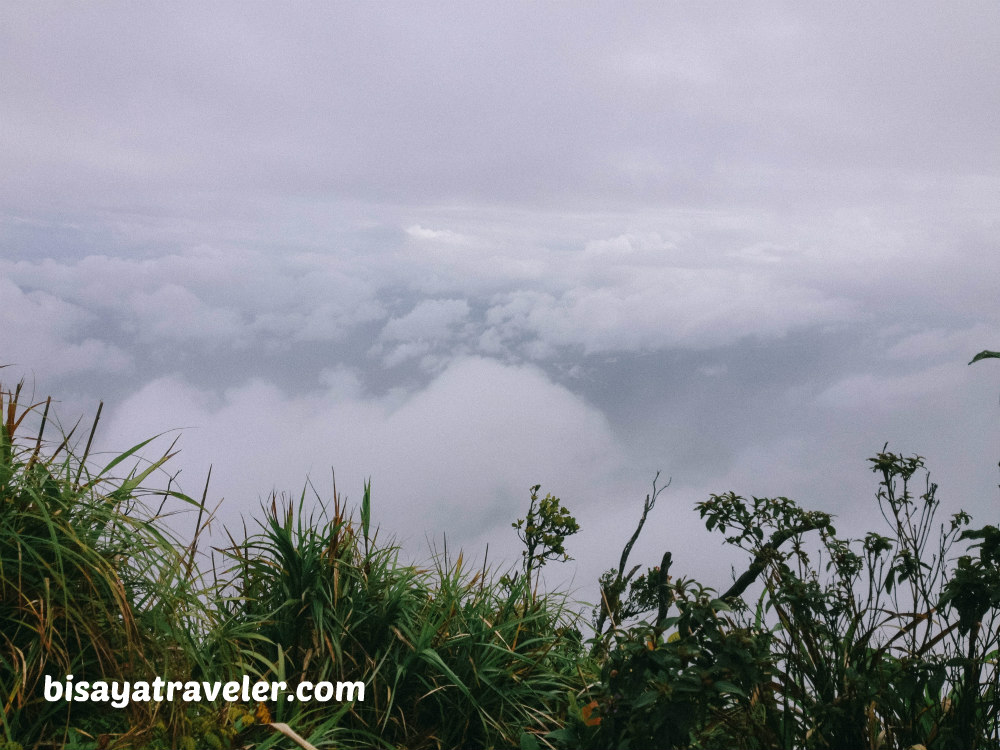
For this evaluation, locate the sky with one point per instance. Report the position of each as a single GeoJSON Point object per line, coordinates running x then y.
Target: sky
{"type": "Point", "coordinates": [465, 249]}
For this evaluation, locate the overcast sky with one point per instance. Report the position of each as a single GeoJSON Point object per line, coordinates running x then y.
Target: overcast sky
{"type": "Point", "coordinates": [466, 249]}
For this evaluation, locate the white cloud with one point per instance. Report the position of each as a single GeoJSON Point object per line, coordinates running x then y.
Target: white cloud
{"type": "Point", "coordinates": [173, 312]}
{"type": "Point", "coordinates": [663, 307]}
{"type": "Point", "coordinates": [205, 295]}
{"type": "Point", "coordinates": [933, 344]}
{"type": "Point", "coordinates": [445, 236]}
{"type": "Point", "coordinates": [430, 320]}
{"type": "Point", "coordinates": [885, 393]}
{"type": "Point", "coordinates": [431, 332]}
{"type": "Point", "coordinates": [405, 352]}
{"type": "Point", "coordinates": [45, 334]}
{"type": "Point", "coordinates": [457, 456]}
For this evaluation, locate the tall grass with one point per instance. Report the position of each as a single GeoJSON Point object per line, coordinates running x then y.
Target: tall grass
{"type": "Point", "coordinates": [452, 656]}
{"type": "Point", "coordinates": [94, 585]}
{"type": "Point", "coordinates": [91, 585]}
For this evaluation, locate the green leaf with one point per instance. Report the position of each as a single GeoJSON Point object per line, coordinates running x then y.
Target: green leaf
{"type": "Point", "coordinates": [563, 736]}
{"type": "Point", "coordinates": [985, 354]}
{"type": "Point", "coordinates": [118, 459]}
{"type": "Point", "coordinates": [724, 686]}
{"type": "Point", "coordinates": [646, 699]}
{"type": "Point", "coordinates": [530, 742]}
{"type": "Point", "coordinates": [366, 509]}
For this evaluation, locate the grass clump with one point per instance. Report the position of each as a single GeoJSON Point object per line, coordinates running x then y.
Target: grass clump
{"type": "Point", "coordinates": [91, 585]}
{"type": "Point", "coordinates": [452, 656]}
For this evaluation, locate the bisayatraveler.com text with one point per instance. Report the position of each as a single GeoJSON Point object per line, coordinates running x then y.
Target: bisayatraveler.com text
{"type": "Point", "coordinates": [119, 693]}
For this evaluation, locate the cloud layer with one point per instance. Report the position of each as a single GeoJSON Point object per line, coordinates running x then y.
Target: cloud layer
{"type": "Point", "coordinates": [464, 250]}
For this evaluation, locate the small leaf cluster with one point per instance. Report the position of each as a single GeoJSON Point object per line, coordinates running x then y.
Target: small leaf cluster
{"type": "Point", "coordinates": [544, 530]}
{"type": "Point", "coordinates": [974, 588]}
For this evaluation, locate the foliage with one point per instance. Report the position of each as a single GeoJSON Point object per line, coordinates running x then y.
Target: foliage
{"type": "Point", "coordinates": [90, 584]}
{"type": "Point", "coordinates": [94, 585]}
{"type": "Point", "coordinates": [543, 532]}
{"type": "Point", "coordinates": [876, 642]}
{"type": "Point", "coordinates": [985, 354]}
{"type": "Point", "coordinates": [457, 660]}
{"type": "Point", "coordinates": [657, 692]}
{"type": "Point", "coordinates": [886, 641]}
{"type": "Point", "coordinates": [645, 593]}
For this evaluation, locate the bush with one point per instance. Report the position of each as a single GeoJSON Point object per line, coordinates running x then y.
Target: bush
{"type": "Point", "coordinates": [881, 642]}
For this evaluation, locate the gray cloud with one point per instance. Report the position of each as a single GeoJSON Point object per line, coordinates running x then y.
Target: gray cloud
{"type": "Point", "coordinates": [464, 250]}
{"type": "Point", "coordinates": [475, 438]}
{"type": "Point", "coordinates": [605, 106]}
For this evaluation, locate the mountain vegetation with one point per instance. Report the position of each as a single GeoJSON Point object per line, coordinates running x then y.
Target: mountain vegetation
{"type": "Point", "coordinates": [886, 641]}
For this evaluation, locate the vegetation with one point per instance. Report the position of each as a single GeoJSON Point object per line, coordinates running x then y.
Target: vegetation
{"type": "Point", "coordinates": [887, 641]}
{"type": "Point", "coordinates": [94, 585]}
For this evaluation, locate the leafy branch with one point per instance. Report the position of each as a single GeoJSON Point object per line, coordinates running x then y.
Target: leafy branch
{"type": "Point", "coordinates": [543, 532]}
